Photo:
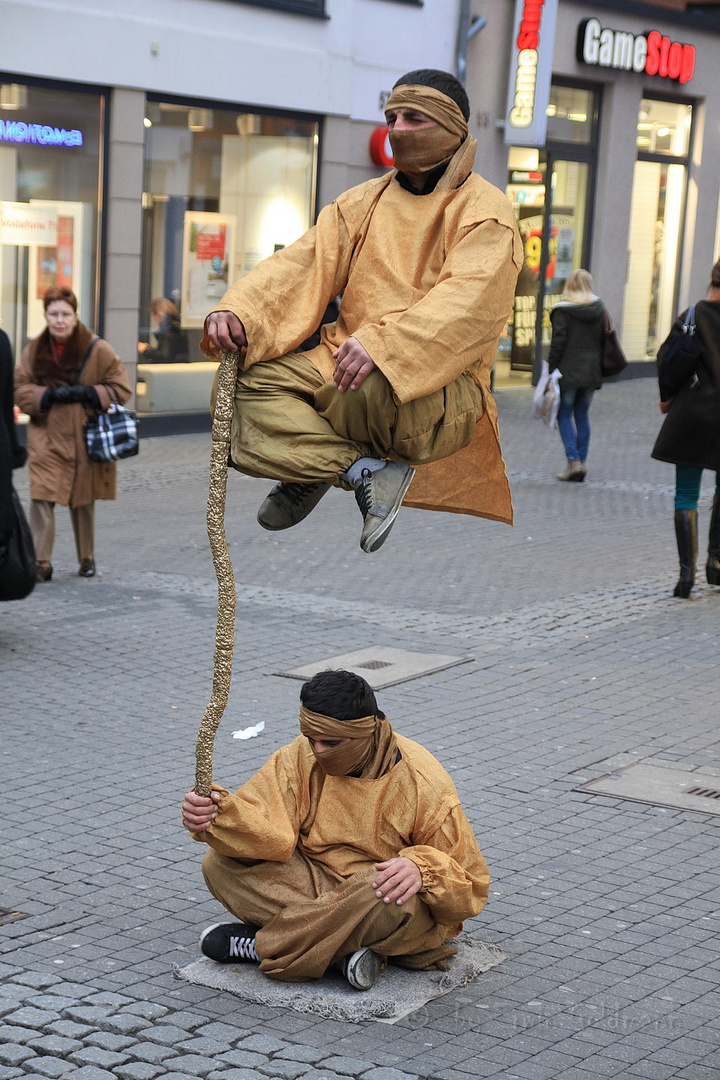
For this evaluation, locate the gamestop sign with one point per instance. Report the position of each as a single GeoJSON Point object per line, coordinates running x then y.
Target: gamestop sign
{"type": "Point", "coordinates": [530, 72]}
{"type": "Point", "coordinates": [652, 52]}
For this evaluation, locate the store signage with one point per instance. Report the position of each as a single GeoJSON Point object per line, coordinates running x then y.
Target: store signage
{"type": "Point", "coordinates": [26, 225]}
{"type": "Point", "coordinates": [17, 131]}
{"type": "Point", "coordinates": [530, 72]}
{"type": "Point", "coordinates": [651, 52]}
{"type": "Point", "coordinates": [380, 148]}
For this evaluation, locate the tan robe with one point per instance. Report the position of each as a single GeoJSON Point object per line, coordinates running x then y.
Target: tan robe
{"type": "Point", "coordinates": [428, 284]}
{"type": "Point", "coordinates": [318, 839]}
{"type": "Point", "coordinates": [60, 469]}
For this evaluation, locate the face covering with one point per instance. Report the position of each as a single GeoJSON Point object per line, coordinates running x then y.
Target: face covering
{"type": "Point", "coordinates": [351, 755]}
{"type": "Point", "coordinates": [424, 149]}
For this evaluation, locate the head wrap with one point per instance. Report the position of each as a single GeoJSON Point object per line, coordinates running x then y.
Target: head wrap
{"type": "Point", "coordinates": [440, 80]}
{"type": "Point", "coordinates": [423, 149]}
{"type": "Point", "coordinates": [370, 752]}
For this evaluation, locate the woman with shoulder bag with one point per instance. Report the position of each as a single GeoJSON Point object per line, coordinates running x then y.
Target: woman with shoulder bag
{"type": "Point", "coordinates": [578, 328]}
{"type": "Point", "coordinates": [689, 381]}
{"type": "Point", "coordinates": [63, 374]}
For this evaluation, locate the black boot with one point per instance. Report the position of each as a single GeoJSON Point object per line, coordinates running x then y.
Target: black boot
{"type": "Point", "coordinates": [687, 542]}
{"type": "Point", "coordinates": [712, 570]}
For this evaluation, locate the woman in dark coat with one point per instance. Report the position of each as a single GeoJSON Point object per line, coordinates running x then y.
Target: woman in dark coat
{"type": "Point", "coordinates": [12, 455]}
{"type": "Point", "coordinates": [690, 436]}
{"type": "Point", "coordinates": [578, 325]}
{"type": "Point", "coordinates": [172, 343]}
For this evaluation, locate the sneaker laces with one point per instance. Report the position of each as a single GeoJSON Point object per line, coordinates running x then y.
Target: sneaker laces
{"type": "Point", "coordinates": [297, 492]}
{"type": "Point", "coordinates": [243, 948]}
{"type": "Point", "coordinates": [363, 492]}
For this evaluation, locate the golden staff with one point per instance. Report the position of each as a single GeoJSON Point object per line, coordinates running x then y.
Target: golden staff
{"type": "Point", "coordinates": [225, 629]}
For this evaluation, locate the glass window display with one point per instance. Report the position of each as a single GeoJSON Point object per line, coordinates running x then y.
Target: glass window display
{"type": "Point", "coordinates": [223, 190]}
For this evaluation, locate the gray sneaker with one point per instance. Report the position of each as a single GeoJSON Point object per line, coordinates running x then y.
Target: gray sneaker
{"type": "Point", "coordinates": [379, 496]}
{"type": "Point", "coordinates": [361, 968]}
{"type": "Point", "coordinates": [289, 503]}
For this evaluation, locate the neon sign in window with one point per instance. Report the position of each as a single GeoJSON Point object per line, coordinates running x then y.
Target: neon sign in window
{"type": "Point", "coordinates": [18, 131]}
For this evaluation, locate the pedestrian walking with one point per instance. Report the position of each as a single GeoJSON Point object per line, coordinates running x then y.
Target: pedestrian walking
{"type": "Point", "coordinates": [689, 379]}
{"type": "Point", "coordinates": [64, 374]}
{"type": "Point", "coordinates": [578, 326]}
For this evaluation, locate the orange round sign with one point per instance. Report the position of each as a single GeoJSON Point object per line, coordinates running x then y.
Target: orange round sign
{"type": "Point", "coordinates": [380, 149]}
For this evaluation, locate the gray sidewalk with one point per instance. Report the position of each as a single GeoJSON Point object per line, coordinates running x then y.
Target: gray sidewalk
{"type": "Point", "coordinates": [608, 910]}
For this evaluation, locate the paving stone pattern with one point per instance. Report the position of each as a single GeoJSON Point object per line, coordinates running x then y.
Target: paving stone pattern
{"type": "Point", "coordinates": [608, 910]}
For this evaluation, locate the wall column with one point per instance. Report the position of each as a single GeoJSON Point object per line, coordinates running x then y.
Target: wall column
{"type": "Point", "coordinates": [124, 225]}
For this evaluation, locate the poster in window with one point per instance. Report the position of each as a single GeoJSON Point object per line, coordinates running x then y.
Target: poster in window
{"type": "Point", "coordinates": [208, 244]}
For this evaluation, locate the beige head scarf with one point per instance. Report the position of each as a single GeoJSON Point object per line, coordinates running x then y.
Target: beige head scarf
{"type": "Point", "coordinates": [370, 752]}
{"type": "Point", "coordinates": [425, 149]}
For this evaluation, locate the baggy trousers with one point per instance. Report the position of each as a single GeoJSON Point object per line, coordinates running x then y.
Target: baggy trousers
{"type": "Point", "coordinates": [289, 424]}
{"type": "Point", "coordinates": [42, 527]}
{"type": "Point", "coordinates": [311, 917]}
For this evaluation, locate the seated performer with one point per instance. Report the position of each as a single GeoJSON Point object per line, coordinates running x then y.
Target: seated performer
{"type": "Point", "coordinates": [426, 259]}
{"type": "Point", "coordinates": [347, 848]}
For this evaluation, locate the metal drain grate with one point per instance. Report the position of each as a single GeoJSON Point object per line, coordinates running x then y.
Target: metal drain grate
{"type": "Point", "coordinates": [658, 785]}
{"type": "Point", "coordinates": [7, 915]}
{"type": "Point", "coordinates": [392, 665]}
{"type": "Point", "coordinates": [706, 792]}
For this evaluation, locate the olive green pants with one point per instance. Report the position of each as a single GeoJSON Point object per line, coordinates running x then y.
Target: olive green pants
{"type": "Point", "coordinates": [289, 424]}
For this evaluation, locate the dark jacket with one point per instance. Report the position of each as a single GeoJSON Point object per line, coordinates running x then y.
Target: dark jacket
{"type": "Point", "coordinates": [690, 434]}
{"type": "Point", "coordinates": [172, 344]}
{"type": "Point", "coordinates": [12, 455]}
{"type": "Point", "coordinates": [576, 344]}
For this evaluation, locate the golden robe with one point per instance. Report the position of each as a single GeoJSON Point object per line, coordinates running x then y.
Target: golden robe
{"type": "Point", "coordinates": [349, 824]}
{"type": "Point", "coordinates": [427, 285]}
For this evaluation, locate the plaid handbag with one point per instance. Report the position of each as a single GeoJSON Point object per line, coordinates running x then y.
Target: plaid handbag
{"type": "Point", "coordinates": [112, 435]}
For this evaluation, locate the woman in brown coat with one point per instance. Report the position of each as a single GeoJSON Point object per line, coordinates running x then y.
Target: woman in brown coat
{"type": "Point", "coordinates": [62, 374]}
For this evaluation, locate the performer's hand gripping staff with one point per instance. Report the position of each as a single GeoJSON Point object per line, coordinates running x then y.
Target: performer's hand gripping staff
{"type": "Point", "coordinates": [225, 630]}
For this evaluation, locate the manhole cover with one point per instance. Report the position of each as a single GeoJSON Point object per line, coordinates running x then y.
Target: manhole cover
{"type": "Point", "coordinates": [7, 915]}
{"type": "Point", "coordinates": [381, 666]}
{"type": "Point", "coordinates": [680, 789]}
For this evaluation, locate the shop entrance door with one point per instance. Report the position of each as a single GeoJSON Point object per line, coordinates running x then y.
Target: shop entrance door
{"type": "Point", "coordinates": [553, 222]}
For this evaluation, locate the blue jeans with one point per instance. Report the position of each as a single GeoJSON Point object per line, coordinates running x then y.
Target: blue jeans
{"type": "Point", "coordinates": [687, 486]}
{"type": "Point", "coordinates": [576, 438]}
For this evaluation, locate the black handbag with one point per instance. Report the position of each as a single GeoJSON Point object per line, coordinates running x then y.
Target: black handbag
{"type": "Point", "coordinates": [112, 435]}
{"type": "Point", "coordinates": [17, 556]}
{"type": "Point", "coordinates": [612, 358]}
{"type": "Point", "coordinates": [679, 353]}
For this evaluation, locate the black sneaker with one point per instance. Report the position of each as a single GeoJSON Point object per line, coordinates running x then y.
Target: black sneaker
{"type": "Point", "coordinates": [361, 968]}
{"type": "Point", "coordinates": [230, 943]}
{"type": "Point", "coordinates": [379, 496]}
{"type": "Point", "coordinates": [289, 503]}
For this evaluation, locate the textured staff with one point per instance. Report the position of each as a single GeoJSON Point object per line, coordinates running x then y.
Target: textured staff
{"type": "Point", "coordinates": [225, 629]}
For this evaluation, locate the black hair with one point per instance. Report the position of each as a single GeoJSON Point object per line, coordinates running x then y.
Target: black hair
{"type": "Point", "coordinates": [439, 80]}
{"type": "Point", "coordinates": [340, 694]}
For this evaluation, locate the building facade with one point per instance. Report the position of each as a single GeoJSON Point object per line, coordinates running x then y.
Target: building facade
{"type": "Point", "coordinates": [152, 151]}
{"type": "Point", "coordinates": [611, 157]}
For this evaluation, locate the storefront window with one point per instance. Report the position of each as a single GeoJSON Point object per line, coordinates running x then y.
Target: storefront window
{"type": "Point", "coordinates": [223, 190]}
{"type": "Point", "coordinates": [570, 114]}
{"type": "Point", "coordinates": [656, 215]}
{"type": "Point", "coordinates": [51, 148]}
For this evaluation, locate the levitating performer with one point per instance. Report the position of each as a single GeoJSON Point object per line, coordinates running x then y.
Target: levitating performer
{"type": "Point", "coordinates": [425, 260]}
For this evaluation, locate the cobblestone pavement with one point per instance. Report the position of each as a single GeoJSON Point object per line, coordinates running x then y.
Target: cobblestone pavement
{"type": "Point", "coordinates": [608, 910]}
